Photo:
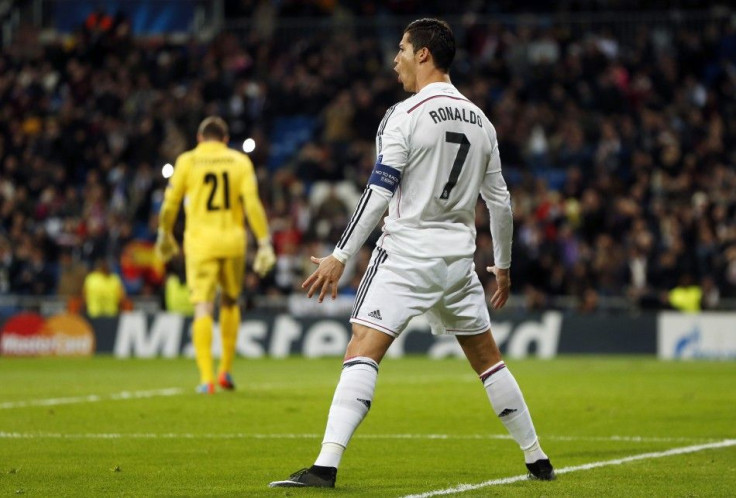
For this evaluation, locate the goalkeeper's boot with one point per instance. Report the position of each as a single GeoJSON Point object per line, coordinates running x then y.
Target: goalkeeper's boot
{"type": "Point", "coordinates": [541, 470]}
{"type": "Point", "coordinates": [226, 381]}
{"type": "Point", "coordinates": [207, 388]}
{"type": "Point", "coordinates": [313, 477]}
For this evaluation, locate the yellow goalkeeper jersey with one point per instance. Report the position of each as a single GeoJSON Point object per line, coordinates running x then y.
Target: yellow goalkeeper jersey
{"type": "Point", "coordinates": [218, 187]}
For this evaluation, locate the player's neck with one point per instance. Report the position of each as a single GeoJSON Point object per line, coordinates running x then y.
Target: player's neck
{"type": "Point", "coordinates": [434, 76]}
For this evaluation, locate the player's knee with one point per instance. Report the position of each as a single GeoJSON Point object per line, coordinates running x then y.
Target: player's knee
{"type": "Point", "coordinates": [203, 309]}
{"type": "Point", "coordinates": [368, 342]}
{"type": "Point", "coordinates": [481, 350]}
{"type": "Point", "coordinates": [228, 301]}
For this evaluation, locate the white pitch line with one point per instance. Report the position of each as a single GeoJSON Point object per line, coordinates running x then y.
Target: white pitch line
{"type": "Point", "coordinates": [149, 435]}
{"type": "Point", "coordinates": [626, 439]}
{"type": "Point", "coordinates": [93, 398]}
{"type": "Point", "coordinates": [644, 456]}
{"type": "Point", "coordinates": [242, 435]}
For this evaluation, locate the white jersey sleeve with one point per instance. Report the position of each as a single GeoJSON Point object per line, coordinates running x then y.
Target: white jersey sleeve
{"type": "Point", "coordinates": [498, 200]}
{"type": "Point", "coordinates": [383, 182]}
{"type": "Point", "coordinates": [368, 212]}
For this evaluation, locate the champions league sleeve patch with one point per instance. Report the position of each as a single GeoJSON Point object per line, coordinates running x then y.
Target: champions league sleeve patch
{"type": "Point", "coordinates": [385, 176]}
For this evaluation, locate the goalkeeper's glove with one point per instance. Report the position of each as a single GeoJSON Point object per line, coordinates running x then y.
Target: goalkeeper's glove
{"type": "Point", "coordinates": [265, 258]}
{"type": "Point", "coordinates": [166, 246]}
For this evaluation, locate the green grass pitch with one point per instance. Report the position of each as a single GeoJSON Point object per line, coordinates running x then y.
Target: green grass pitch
{"type": "Point", "coordinates": [107, 427]}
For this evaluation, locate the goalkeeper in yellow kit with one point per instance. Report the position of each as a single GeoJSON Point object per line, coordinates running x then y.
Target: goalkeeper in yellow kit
{"type": "Point", "coordinates": [218, 186]}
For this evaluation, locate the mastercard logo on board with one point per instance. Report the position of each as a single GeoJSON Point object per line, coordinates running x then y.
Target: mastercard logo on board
{"type": "Point", "coordinates": [29, 334]}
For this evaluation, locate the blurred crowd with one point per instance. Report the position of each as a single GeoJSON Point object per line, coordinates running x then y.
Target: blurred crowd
{"type": "Point", "coordinates": [617, 149]}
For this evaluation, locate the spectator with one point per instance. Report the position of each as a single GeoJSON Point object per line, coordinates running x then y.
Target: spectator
{"type": "Point", "coordinates": [104, 294]}
{"type": "Point", "coordinates": [176, 290]}
{"type": "Point", "coordinates": [71, 279]}
{"type": "Point", "coordinates": [632, 133]}
{"type": "Point", "coordinates": [686, 296]}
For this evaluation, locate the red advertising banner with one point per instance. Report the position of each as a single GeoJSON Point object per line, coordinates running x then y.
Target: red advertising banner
{"type": "Point", "coordinates": [30, 334]}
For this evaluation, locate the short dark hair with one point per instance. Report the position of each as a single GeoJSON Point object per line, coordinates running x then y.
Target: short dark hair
{"type": "Point", "coordinates": [437, 37]}
{"type": "Point", "coordinates": [213, 127]}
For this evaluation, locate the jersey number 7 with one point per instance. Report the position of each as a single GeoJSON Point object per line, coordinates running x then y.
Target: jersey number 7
{"type": "Point", "coordinates": [457, 166]}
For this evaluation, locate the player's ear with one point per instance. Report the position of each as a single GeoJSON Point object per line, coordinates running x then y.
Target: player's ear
{"type": "Point", "coordinates": [423, 54]}
{"type": "Point", "coordinates": [200, 138]}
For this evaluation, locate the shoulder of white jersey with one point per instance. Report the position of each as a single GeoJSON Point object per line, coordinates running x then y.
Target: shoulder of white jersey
{"type": "Point", "coordinates": [415, 102]}
{"type": "Point", "coordinates": [490, 130]}
{"type": "Point", "coordinates": [391, 114]}
{"type": "Point", "coordinates": [487, 125]}
{"type": "Point", "coordinates": [405, 109]}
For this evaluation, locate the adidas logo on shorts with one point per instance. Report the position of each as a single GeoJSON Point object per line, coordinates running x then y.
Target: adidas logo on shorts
{"type": "Point", "coordinates": [375, 314]}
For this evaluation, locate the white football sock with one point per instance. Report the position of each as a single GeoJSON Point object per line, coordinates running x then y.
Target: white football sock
{"type": "Point", "coordinates": [330, 455]}
{"type": "Point", "coordinates": [509, 405]}
{"type": "Point", "coordinates": [350, 405]}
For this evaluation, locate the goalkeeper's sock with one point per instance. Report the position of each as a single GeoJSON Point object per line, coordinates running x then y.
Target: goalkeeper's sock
{"type": "Point", "coordinates": [229, 323]}
{"type": "Point", "coordinates": [202, 339]}
{"type": "Point", "coordinates": [350, 405]}
{"type": "Point", "coordinates": [508, 403]}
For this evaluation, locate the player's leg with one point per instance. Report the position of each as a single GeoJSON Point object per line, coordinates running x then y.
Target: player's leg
{"type": "Point", "coordinates": [389, 295]}
{"type": "Point", "coordinates": [354, 392]}
{"type": "Point", "coordinates": [229, 324]}
{"type": "Point", "coordinates": [393, 290]}
{"type": "Point", "coordinates": [201, 275]}
{"type": "Point", "coordinates": [202, 340]}
{"type": "Point", "coordinates": [464, 311]}
{"type": "Point", "coordinates": [231, 279]}
{"type": "Point", "coordinates": [350, 404]}
{"type": "Point", "coordinates": [506, 399]}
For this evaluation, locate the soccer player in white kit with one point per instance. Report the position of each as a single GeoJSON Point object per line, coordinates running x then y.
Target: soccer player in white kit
{"type": "Point", "coordinates": [437, 152]}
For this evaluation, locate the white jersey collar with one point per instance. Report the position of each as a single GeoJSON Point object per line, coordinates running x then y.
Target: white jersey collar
{"type": "Point", "coordinates": [438, 85]}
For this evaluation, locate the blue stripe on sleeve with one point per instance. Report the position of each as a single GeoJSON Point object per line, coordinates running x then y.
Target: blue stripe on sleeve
{"type": "Point", "coordinates": [385, 176]}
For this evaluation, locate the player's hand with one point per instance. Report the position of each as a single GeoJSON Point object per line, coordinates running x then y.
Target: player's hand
{"type": "Point", "coordinates": [264, 260]}
{"type": "Point", "coordinates": [503, 281]}
{"type": "Point", "coordinates": [166, 246]}
{"type": "Point", "coordinates": [325, 277]}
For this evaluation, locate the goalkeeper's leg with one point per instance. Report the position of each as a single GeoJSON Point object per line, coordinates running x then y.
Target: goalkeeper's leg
{"type": "Point", "coordinates": [231, 279]}
{"type": "Point", "coordinates": [202, 339]}
{"type": "Point", "coordinates": [229, 323]}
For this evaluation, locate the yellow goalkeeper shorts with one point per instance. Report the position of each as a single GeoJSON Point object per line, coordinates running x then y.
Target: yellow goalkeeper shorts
{"type": "Point", "coordinates": [205, 274]}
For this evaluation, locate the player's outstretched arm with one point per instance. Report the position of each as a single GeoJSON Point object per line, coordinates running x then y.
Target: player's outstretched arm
{"type": "Point", "coordinates": [325, 277]}
{"type": "Point", "coordinates": [367, 213]}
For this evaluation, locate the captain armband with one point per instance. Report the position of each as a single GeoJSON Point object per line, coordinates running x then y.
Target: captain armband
{"type": "Point", "coordinates": [385, 177]}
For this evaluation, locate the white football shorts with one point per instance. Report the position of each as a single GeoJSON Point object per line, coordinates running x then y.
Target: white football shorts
{"type": "Point", "coordinates": [396, 288]}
